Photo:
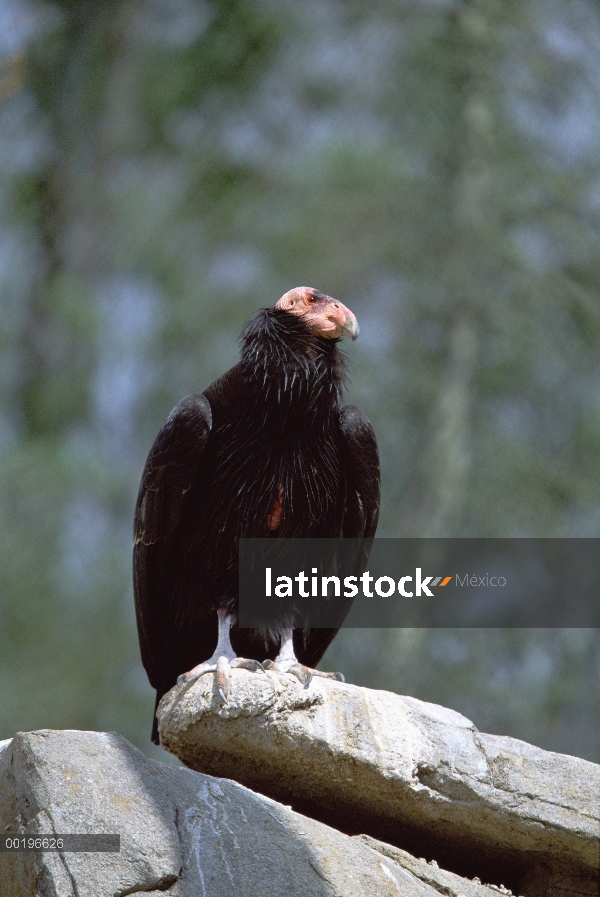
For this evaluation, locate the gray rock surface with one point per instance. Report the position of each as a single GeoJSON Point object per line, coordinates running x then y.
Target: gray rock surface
{"type": "Point", "coordinates": [430, 873]}
{"type": "Point", "coordinates": [411, 773]}
{"type": "Point", "coordinates": [183, 834]}
{"type": "Point", "coordinates": [86, 782]}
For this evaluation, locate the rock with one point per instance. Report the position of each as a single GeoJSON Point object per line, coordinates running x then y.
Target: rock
{"type": "Point", "coordinates": [240, 843]}
{"type": "Point", "coordinates": [406, 772]}
{"type": "Point", "coordinates": [183, 834]}
{"type": "Point", "coordinates": [428, 872]}
{"type": "Point", "coordinates": [86, 782]}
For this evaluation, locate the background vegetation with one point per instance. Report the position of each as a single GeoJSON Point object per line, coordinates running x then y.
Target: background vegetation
{"type": "Point", "coordinates": [168, 166]}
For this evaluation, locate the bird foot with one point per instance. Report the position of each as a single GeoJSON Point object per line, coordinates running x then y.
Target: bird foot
{"type": "Point", "coordinates": [302, 673]}
{"type": "Point", "coordinates": [221, 666]}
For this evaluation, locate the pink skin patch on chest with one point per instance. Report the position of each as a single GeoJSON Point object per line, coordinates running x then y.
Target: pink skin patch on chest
{"type": "Point", "coordinates": [275, 515]}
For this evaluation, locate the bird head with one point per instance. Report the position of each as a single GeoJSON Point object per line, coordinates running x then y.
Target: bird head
{"type": "Point", "coordinates": [323, 315]}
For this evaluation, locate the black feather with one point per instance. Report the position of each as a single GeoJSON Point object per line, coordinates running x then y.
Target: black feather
{"type": "Point", "coordinates": [271, 423]}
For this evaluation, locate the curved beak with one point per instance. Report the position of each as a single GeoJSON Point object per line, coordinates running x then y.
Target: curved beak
{"type": "Point", "coordinates": [351, 327]}
{"type": "Point", "coordinates": [343, 319]}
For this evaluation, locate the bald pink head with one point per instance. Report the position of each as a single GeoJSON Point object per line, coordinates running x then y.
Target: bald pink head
{"type": "Point", "coordinates": [324, 315]}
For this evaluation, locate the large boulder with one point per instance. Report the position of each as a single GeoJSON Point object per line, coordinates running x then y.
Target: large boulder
{"type": "Point", "coordinates": [409, 773]}
{"type": "Point", "coordinates": [85, 782]}
{"type": "Point", "coordinates": [182, 833]}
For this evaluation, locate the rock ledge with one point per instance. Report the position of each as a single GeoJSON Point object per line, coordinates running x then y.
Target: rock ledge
{"type": "Point", "coordinates": [410, 773]}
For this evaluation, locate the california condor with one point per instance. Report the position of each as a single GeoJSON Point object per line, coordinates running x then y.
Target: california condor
{"type": "Point", "coordinates": [265, 451]}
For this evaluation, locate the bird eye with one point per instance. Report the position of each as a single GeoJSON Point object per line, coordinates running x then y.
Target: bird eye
{"type": "Point", "coordinates": [312, 299]}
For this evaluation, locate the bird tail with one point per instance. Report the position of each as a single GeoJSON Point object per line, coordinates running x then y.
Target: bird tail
{"type": "Point", "coordinates": [155, 736]}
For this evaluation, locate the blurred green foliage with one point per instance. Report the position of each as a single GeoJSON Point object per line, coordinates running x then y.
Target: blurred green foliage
{"type": "Point", "coordinates": [168, 166]}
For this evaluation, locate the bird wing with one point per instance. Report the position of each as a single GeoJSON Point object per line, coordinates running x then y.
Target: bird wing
{"type": "Point", "coordinates": [169, 473]}
{"type": "Point", "coordinates": [360, 464]}
{"type": "Point", "coordinates": [360, 459]}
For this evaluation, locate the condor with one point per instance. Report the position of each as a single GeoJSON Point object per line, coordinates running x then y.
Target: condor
{"type": "Point", "coordinates": [265, 451]}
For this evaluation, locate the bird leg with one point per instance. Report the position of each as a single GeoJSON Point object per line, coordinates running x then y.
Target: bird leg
{"type": "Point", "coordinates": [223, 660]}
{"type": "Point", "coordinates": [287, 662]}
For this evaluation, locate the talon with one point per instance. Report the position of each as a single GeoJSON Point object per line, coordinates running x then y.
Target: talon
{"type": "Point", "coordinates": [302, 674]}
{"type": "Point", "coordinates": [223, 670]}
{"type": "Point", "coordinates": [243, 664]}
{"type": "Point", "coordinates": [337, 677]}
{"type": "Point", "coordinates": [221, 666]}
{"type": "Point", "coordinates": [196, 672]}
